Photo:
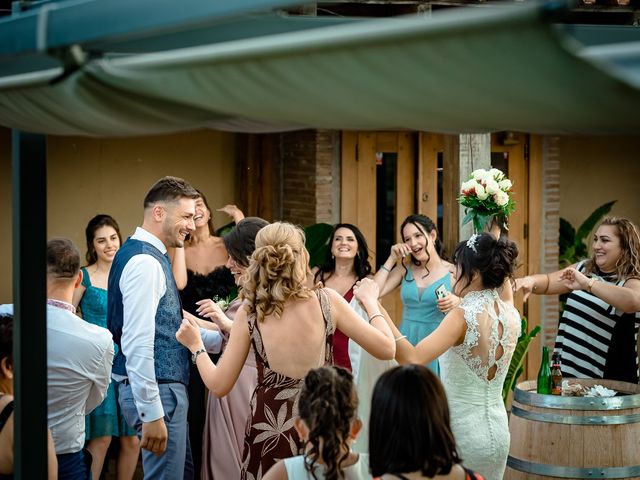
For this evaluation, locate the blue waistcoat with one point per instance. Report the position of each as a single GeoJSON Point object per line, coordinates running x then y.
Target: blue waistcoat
{"type": "Point", "coordinates": [171, 359]}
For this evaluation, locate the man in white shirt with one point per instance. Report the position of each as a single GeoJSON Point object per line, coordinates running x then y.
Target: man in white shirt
{"type": "Point", "coordinates": [79, 359]}
{"type": "Point", "coordinates": [144, 313]}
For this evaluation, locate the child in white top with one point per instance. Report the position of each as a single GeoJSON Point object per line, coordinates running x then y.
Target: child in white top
{"type": "Point", "coordinates": [328, 424]}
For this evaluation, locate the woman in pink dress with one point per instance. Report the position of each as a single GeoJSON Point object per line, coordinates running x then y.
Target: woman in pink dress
{"type": "Point", "coordinates": [226, 419]}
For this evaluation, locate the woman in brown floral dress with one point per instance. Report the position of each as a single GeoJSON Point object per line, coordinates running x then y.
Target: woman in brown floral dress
{"type": "Point", "coordinates": [290, 327]}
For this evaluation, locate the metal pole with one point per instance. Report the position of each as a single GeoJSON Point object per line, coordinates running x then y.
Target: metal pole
{"type": "Point", "coordinates": [29, 300]}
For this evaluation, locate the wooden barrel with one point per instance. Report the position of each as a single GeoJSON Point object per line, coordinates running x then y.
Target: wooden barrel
{"type": "Point", "coordinates": [575, 437]}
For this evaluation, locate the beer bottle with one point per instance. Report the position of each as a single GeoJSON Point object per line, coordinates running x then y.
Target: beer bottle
{"type": "Point", "coordinates": [556, 374]}
{"type": "Point", "coordinates": [544, 374]}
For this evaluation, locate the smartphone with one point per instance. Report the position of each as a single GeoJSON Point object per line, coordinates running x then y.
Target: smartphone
{"type": "Point", "coordinates": [441, 292]}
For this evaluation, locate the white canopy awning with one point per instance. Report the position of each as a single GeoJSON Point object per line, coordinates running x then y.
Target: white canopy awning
{"type": "Point", "coordinates": [466, 70]}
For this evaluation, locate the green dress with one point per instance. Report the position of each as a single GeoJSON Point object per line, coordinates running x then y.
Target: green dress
{"type": "Point", "coordinates": [106, 420]}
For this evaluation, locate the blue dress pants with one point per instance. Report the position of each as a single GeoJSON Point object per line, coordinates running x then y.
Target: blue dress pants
{"type": "Point", "coordinates": [176, 462]}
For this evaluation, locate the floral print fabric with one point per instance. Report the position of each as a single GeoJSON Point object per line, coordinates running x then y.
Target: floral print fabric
{"type": "Point", "coordinates": [270, 434]}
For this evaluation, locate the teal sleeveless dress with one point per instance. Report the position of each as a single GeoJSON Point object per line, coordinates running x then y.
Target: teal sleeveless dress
{"type": "Point", "coordinates": [420, 313]}
{"type": "Point", "coordinates": [106, 420]}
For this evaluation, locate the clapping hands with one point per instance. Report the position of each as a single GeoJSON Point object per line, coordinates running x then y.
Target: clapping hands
{"type": "Point", "coordinates": [573, 279]}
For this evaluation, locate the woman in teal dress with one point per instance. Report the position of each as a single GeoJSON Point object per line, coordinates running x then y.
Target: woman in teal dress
{"type": "Point", "coordinates": [417, 266]}
{"type": "Point", "coordinates": [103, 241]}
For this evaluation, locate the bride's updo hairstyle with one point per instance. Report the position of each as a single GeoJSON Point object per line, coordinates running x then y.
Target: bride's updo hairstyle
{"type": "Point", "coordinates": [278, 270]}
{"type": "Point", "coordinates": [494, 260]}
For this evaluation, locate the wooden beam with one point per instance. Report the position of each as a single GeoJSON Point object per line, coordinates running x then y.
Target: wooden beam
{"type": "Point", "coordinates": [429, 145]}
{"type": "Point", "coordinates": [366, 187]}
{"type": "Point", "coordinates": [349, 177]}
{"type": "Point", "coordinates": [450, 187]}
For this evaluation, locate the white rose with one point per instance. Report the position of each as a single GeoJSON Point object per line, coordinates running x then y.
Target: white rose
{"type": "Point", "coordinates": [505, 184]}
{"type": "Point", "coordinates": [467, 186]}
{"type": "Point", "coordinates": [501, 198]}
{"type": "Point", "coordinates": [497, 174]}
{"type": "Point", "coordinates": [480, 192]}
{"type": "Point", "coordinates": [492, 187]}
{"type": "Point", "coordinates": [479, 174]}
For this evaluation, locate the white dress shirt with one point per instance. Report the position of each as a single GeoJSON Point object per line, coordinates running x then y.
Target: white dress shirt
{"type": "Point", "coordinates": [143, 284]}
{"type": "Point", "coordinates": [79, 359]}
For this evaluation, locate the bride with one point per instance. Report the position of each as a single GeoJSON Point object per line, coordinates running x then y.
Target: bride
{"type": "Point", "coordinates": [476, 341]}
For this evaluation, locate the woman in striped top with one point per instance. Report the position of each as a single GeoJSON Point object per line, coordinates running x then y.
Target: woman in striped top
{"type": "Point", "coordinates": [598, 331]}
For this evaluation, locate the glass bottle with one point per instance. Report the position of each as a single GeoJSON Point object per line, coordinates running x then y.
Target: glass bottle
{"type": "Point", "coordinates": [556, 374]}
{"type": "Point", "coordinates": [544, 374]}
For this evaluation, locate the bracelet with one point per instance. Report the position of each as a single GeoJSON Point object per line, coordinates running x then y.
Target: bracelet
{"type": "Point", "coordinates": [384, 267]}
{"type": "Point", "coordinates": [546, 287]}
{"type": "Point", "coordinates": [400, 338]}
{"type": "Point", "coordinates": [590, 284]}
{"type": "Point", "coordinates": [194, 356]}
{"type": "Point", "coordinates": [374, 316]}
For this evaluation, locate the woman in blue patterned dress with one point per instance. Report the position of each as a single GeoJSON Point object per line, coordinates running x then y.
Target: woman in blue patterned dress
{"type": "Point", "coordinates": [106, 421]}
{"type": "Point", "coordinates": [416, 265]}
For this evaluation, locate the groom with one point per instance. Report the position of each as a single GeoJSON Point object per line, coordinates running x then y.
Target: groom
{"type": "Point", "coordinates": [144, 313]}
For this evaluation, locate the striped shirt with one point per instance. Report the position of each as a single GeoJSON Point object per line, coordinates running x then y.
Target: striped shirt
{"type": "Point", "coordinates": [595, 340]}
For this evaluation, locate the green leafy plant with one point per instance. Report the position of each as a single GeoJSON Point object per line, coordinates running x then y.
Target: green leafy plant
{"type": "Point", "coordinates": [572, 242]}
{"type": "Point", "coordinates": [223, 230]}
{"type": "Point", "coordinates": [519, 354]}
{"type": "Point", "coordinates": [317, 241]}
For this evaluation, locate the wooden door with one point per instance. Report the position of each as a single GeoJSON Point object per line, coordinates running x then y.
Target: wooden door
{"type": "Point", "coordinates": [519, 156]}
{"type": "Point", "coordinates": [378, 178]}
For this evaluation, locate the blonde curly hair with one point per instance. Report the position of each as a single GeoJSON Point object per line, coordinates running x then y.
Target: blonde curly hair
{"type": "Point", "coordinates": [628, 264]}
{"type": "Point", "coordinates": [278, 270]}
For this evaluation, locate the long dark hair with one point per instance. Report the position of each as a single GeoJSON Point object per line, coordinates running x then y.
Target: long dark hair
{"type": "Point", "coordinates": [240, 242]}
{"type": "Point", "coordinates": [361, 263]}
{"type": "Point", "coordinates": [409, 427]}
{"type": "Point", "coordinates": [426, 226]}
{"type": "Point", "coordinates": [212, 229]}
{"type": "Point", "coordinates": [328, 405]}
{"type": "Point", "coordinates": [99, 221]}
{"type": "Point", "coordinates": [494, 260]}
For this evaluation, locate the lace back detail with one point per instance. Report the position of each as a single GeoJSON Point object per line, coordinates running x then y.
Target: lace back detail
{"type": "Point", "coordinates": [490, 338]}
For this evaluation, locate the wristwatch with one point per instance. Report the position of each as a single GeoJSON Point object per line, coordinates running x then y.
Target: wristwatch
{"type": "Point", "coordinates": [194, 355]}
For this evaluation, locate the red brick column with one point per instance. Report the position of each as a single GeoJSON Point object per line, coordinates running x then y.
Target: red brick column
{"type": "Point", "coordinates": [310, 178]}
{"type": "Point", "coordinates": [550, 305]}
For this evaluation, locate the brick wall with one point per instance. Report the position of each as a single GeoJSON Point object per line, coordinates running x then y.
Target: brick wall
{"type": "Point", "coordinates": [550, 305]}
{"type": "Point", "coordinates": [310, 176]}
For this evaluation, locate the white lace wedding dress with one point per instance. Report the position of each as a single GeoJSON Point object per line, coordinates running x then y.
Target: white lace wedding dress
{"type": "Point", "coordinates": [473, 374]}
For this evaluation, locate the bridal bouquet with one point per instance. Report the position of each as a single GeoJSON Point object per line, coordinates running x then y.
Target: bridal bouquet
{"type": "Point", "coordinates": [486, 197]}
